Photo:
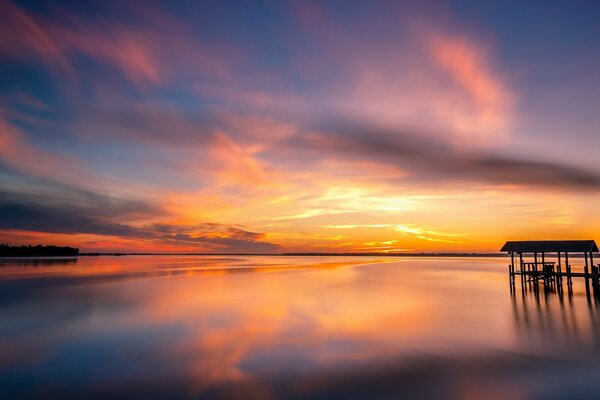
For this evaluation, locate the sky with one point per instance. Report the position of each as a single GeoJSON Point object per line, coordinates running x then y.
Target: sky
{"type": "Point", "coordinates": [298, 126]}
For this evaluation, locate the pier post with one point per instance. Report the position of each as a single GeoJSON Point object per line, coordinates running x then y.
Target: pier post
{"type": "Point", "coordinates": [512, 263]}
{"type": "Point", "coordinates": [559, 269]}
{"type": "Point", "coordinates": [545, 271]}
{"type": "Point", "coordinates": [591, 259]}
{"type": "Point", "coordinates": [521, 268]}
{"type": "Point", "coordinates": [568, 268]}
{"type": "Point", "coordinates": [585, 268]}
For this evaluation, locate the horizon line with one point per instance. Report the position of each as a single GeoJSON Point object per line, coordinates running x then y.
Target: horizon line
{"type": "Point", "coordinates": [91, 254]}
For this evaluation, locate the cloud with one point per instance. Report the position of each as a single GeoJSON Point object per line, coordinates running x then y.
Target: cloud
{"type": "Point", "coordinates": [22, 35]}
{"type": "Point", "coordinates": [40, 204]}
{"type": "Point", "coordinates": [469, 65]}
{"type": "Point", "coordinates": [24, 215]}
{"type": "Point", "coordinates": [20, 153]}
{"type": "Point", "coordinates": [148, 46]}
{"type": "Point", "coordinates": [429, 161]}
{"type": "Point", "coordinates": [17, 152]}
{"type": "Point", "coordinates": [21, 212]}
{"type": "Point", "coordinates": [233, 149]}
{"type": "Point", "coordinates": [219, 237]}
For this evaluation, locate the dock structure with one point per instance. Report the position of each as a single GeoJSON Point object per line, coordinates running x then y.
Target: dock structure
{"type": "Point", "coordinates": [548, 261]}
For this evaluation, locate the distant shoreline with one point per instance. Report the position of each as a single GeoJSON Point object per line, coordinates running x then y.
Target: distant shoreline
{"type": "Point", "coordinates": [394, 255]}
{"type": "Point", "coordinates": [304, 254]}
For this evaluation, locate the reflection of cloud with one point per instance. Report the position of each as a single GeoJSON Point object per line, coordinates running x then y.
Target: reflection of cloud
{"type": "Point", "coordinates": [424, 329]}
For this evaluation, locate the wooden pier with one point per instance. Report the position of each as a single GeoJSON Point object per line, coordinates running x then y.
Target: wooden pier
{"type": "Point", "coordinates": [534, 264]}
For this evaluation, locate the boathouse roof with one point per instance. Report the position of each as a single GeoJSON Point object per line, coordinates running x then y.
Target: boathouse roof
{"type": "Point", "coordinates": [546, 246]}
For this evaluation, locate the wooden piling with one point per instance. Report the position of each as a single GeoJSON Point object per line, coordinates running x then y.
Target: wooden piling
{"type": "Point", "coordinates": [521, 268]}
{"type": "Point", "coordinates": [559, 269]}
{"type": "Point", "coordinates": [512, 263]}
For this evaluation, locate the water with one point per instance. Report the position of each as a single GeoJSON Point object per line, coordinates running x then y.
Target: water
{"type": "Point", "coordinates": [290, 327]}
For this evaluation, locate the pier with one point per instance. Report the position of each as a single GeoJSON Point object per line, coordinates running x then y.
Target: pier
{"type": "Point", "coordinates": [549, 261]}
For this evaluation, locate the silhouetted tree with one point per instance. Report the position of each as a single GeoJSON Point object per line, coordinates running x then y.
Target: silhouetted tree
{"type": "Point", "coordinates": [37, 251]}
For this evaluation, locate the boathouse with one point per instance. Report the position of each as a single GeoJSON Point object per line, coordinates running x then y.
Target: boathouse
{"type": "Point", "coordinates": [548, 260]}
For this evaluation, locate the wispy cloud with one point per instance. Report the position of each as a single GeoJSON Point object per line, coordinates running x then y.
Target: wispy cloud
{"type": "Point", "coordinates": [151, 51]}
{"type": "Point", "coordinates": [429, 160]}
{"type": "Point", "coordinates": [470, 67]}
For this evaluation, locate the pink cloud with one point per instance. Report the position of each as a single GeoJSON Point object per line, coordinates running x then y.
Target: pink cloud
{"type": "Point", "coordinates": [153, 51]}
{"type": "Point", "coordinates": [21, 35]}
{"type": "Point", "coordinates": [18, 153]}
{"type": "Point", "coordinates": [469, 65]}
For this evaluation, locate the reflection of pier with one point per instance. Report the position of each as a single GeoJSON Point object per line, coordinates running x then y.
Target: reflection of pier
{"type": "Point", "coordinates": [540, 269]}
{"type": "Point", "coordinates": [555, 315]}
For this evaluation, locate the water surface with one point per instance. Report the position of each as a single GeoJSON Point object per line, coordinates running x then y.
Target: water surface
{"type": "Point", "coordinates": [290, 327]}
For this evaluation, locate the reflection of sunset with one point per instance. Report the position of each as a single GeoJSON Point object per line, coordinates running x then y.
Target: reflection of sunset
{"type": "Point", "coordinates": [239, 324]}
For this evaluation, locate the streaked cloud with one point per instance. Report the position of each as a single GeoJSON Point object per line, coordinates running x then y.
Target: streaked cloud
{"type": "Point", "coordinates": [430, 160]}
{"type": "Point", "coordinates": [391, 127]}
{"type": "Point", "coordinates": [470, 67]}
{"type": "Point", "coordinates": [145, 52]}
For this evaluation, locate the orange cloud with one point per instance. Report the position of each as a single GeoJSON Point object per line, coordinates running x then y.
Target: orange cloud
{"type": "Point", "coordinates": [234, 164]}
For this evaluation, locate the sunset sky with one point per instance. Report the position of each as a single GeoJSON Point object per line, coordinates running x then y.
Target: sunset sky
{"type": "Point", "coordinates": [288, 126]}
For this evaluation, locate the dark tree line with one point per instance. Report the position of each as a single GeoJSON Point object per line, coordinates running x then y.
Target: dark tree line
{"type": "Point", "coordinates": [37, 251]}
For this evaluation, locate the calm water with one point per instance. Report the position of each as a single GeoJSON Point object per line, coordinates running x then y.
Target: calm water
{"type": "Point", "coordinates": [290, 327]}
